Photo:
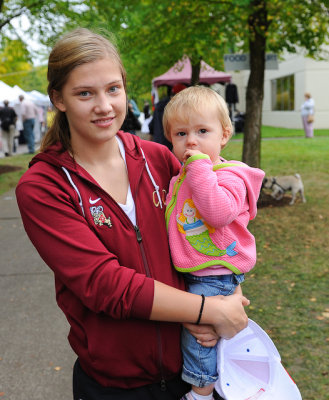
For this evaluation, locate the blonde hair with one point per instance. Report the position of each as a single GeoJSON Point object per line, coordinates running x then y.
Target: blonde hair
{"type": "Point", "coordinates": [78, 47]}
{"type": "Point", "coordinates": [190, 101]}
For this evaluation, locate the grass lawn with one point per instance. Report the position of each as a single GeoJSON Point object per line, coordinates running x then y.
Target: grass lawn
{"type": "Point", "coordinates": [274, 132]}
{"type": "Point", "coordinates": [288, 288]}
{"type": "Point", "coordinates": [10, 179]}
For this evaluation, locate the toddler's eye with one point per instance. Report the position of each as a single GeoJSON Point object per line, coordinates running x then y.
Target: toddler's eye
{"type": "Point", "coordinates": [203, 130]}
{"type": "Point", "coordinates": [181, 134]}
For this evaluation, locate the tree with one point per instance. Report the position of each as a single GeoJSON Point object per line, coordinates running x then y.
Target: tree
{"type": "Point", "coordinates": [276, 26]}
{"type": "Point", "coordinates": [160, 33]}
{"type": "Point", "coordinates": [41, 20]}
{"type": "Point", "coordinates": [14, 56]}
{"type": "Point", "coordinates": [16, 68]}
{"type": "Point", "coordinates": [153, 35]}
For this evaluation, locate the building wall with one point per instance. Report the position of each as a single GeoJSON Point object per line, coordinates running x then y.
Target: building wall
{"type": "Point", "coordinates": [310, 76]}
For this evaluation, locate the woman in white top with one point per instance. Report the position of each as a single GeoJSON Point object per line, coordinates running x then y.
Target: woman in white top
{"type": "Point", "coordinates": [307, 111]}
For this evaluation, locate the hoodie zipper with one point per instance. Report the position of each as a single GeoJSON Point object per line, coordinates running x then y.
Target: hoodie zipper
{"type": "Point", "coordinates": [163, 386]}
{"type": "Point", "coordinates": [172, 202]}
{"type": "Point", "coordinates": [141, 246]}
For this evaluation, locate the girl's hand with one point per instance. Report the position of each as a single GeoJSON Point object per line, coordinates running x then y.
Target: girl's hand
{"type": "Point", "coordinates": [205, 334]}
{"type": "Point", "coordinates": [233, 317]}
{"type": "Point", "coordinates": [234, 321]}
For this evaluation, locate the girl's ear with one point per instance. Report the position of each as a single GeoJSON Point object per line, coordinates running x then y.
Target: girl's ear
{"type": "Point", "coordinates": [57, 100]}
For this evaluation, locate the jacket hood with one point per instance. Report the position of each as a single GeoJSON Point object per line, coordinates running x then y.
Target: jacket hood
{"type": "Point", "coordinates": [57, 156]}
{"type": "Point", "coordinates": [252, 177]}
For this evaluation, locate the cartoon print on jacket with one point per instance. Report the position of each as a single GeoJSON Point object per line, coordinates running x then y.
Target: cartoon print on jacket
{"type": "Point", "coordinates": [99, 216]}
{"type": "Point", "coordinates": [197, 231]}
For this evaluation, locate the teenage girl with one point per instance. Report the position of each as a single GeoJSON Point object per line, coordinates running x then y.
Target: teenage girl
{"type": "Point", "coordinates": [92, 203]}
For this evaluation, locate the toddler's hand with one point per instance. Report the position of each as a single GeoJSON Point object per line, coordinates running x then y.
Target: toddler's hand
{"type": "Point", "coordinates": [205, 334]}
{"type": "Point", "coordinates": [189, 153]}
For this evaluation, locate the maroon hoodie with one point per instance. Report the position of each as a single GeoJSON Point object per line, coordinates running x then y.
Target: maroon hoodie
{"type": "Point", "coordinates": [104, 266]}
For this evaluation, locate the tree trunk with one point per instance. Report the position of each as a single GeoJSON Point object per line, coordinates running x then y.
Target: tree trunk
{"type": "Point", "coordinates": [255, 90]}
{"type": "Point", "coordinates": [196, 67]}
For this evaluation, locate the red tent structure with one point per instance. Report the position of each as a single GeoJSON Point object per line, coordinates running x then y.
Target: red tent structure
{"type": "Point", "coordinates": [181, 72]}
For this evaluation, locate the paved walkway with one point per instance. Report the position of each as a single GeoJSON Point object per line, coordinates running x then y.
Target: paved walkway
{"type": "Point", "coordinates": [35, 358]}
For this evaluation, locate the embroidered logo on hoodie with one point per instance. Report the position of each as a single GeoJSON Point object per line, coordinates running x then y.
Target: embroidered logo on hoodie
{"type": "Point", "coordinates": [99, 216]}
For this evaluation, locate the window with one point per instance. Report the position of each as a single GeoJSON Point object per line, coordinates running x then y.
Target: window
{"type": "Point", "coordinates": [283, 94]}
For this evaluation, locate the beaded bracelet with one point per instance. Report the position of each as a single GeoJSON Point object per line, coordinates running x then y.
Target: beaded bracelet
{"type": "Point", "coordinates": [201, 309]}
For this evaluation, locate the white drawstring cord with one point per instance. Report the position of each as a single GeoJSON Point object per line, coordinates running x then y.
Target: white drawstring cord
{"type": "Point", "coordinates": [75, 188]}
{"type": "Point", "coordinates": [156, 187]}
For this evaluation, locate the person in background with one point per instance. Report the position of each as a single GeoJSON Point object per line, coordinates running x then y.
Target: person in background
{"type": "Point", "coordinates": [92, 205]}
{"type": "Point", "coordinates": [135, 108]}
{"type": "Point", "coordinates": [307, 112]}
{"type": "Point", "coordinates": [29, 114]}
{"type": "Point", "coordinates": [8, 119]}
{"type": "Point", "coordinates": [147, 117]}
{"type": "Point", "coordinates": [155, 126]}
{"type": "Point", "coordinates": [41, 121]}
{"type": "Point", "coordinates": [209, 205]}
{"type": "Point", "coordinates": [131, 123]}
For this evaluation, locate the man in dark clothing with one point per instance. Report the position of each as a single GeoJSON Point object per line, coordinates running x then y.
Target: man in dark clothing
{"type": "Point", "coordinates": [131, 122]}
{"type": "Point", "coordinates": [155, 126]}
{"type": "Point", "coordinates": [8, 121]}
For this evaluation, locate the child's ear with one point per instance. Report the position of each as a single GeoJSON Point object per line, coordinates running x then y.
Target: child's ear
{"type": "Point", "coordinates": [57, 100]}
{"type": "Point", "coordinates": [227, 133]}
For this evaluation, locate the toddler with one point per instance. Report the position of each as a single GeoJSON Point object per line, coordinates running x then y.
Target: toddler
{"type": "Point", "coordinates": [209, 205]}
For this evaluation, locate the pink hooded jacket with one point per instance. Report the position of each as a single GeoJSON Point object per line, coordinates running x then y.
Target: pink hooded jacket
{"type": "Point", "coordinates": [208, 210]}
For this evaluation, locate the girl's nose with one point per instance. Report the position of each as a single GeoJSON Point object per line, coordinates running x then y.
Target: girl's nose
{"type": "Point", "coordinates": [103, 104]}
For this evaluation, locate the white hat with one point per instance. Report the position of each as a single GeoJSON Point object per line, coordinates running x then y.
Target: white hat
{"type": "Point", "coordinates": [249, 368]}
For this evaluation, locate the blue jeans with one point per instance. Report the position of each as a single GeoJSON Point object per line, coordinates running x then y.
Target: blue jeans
{"type": "Point", "coordinates": [200, 363]}
{"type": "Point", "coordinates": [28, 125]}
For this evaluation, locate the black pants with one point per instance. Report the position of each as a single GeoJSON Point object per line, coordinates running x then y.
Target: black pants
{"type": "Point", "coordinates": [86, 388]}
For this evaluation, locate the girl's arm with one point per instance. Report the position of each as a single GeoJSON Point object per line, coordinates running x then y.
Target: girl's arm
{"type": "Point", "coordinates": [206, 334]}
{"type": "Point", "coordinates": [225, 313]}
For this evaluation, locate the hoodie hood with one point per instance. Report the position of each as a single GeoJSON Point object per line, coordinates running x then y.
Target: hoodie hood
{"type": "Point", "coordinates": [252, 177]}
{"type": "Point", "coordinates": [57, 156]}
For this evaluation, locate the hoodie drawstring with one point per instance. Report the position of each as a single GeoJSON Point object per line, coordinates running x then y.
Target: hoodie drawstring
{"type": "Point", "coordinates": [156, 187]}
{"type": "Point", "coordinates": [75, 188]}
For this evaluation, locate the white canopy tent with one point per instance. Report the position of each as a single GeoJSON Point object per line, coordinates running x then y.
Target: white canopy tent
{"type": "Point", "coordinates": [12, 93]}
{"type": "Point", "coordinates": [39, 98]}
{"type": "Point", "coordinates": [19, 91]}
{"type": "Point", "coordinates": [7, 93]}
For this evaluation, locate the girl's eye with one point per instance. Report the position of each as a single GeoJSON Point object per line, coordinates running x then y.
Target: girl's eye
{"type": "Point", "coordinates": [203, 130]}
{"type": "Point", "coordinates": [85, 93]}
{"type": "Point", "coordinates": [114, 89]}
{"type": "Point", "coordinates": [180, 133]}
